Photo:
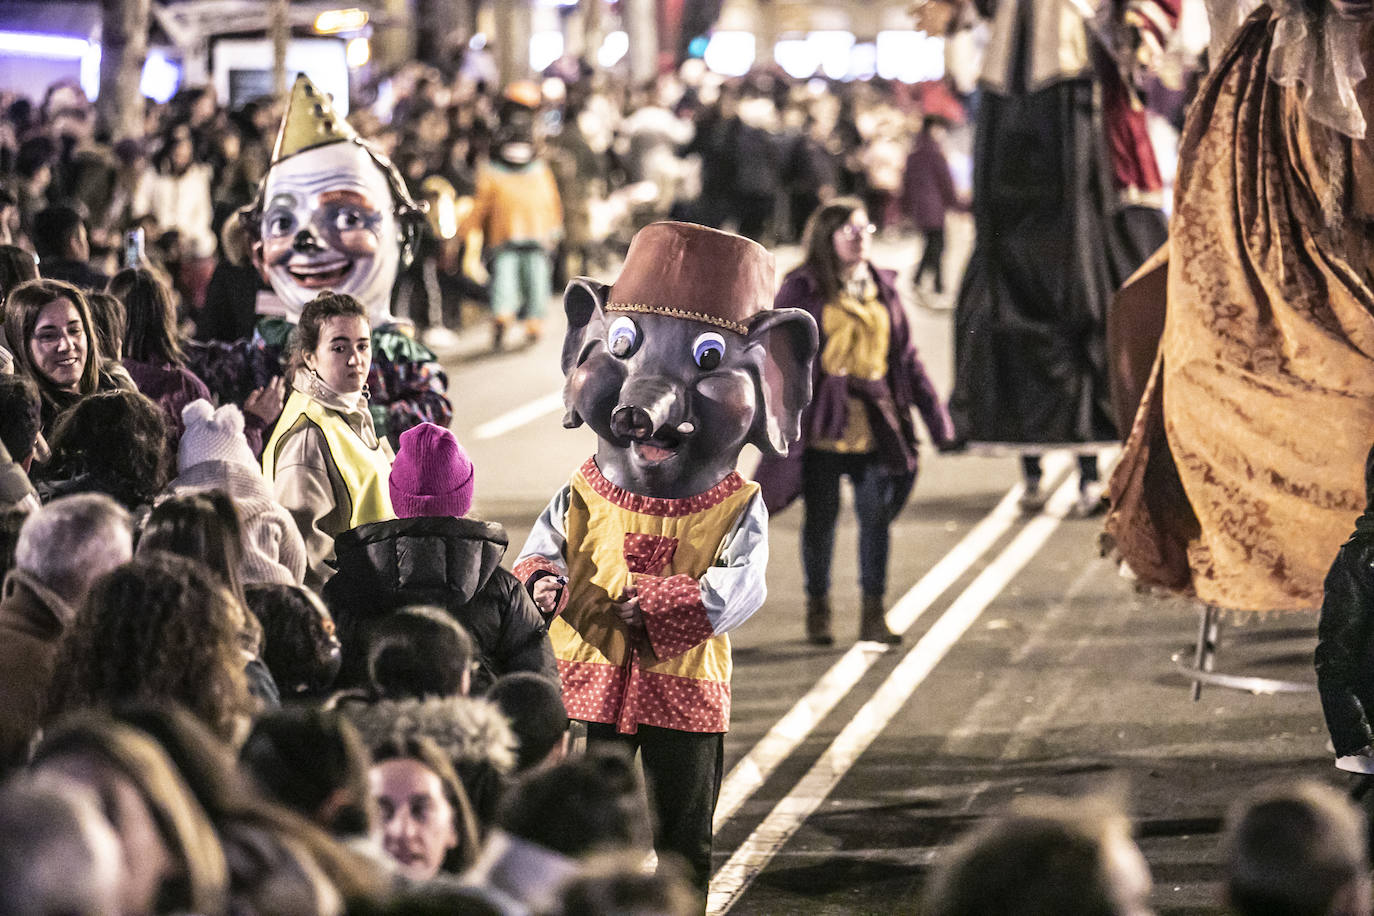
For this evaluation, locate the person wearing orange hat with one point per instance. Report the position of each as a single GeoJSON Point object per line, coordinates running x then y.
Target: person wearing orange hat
{"type": "Point", "coordinates": [657, 547]}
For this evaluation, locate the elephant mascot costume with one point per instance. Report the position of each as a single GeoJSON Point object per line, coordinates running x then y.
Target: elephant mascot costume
{"type": "Point", "coordinates": [657, 547]}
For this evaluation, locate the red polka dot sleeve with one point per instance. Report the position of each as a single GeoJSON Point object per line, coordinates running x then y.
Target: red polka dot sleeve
{"type": "Point", "coordinates": [673, 613]}
{"type": "Point", "coordinates": [529, 567]}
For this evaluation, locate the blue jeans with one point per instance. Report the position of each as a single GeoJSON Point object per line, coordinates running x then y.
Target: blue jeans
{"type": "Point", "coordinates": [873, 506]}
{"type": "Point", "coordinates": [521, 281]}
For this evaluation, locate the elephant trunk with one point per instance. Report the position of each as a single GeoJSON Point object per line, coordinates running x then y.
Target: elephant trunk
{"type": "Point", "coordinates": [646, 407]}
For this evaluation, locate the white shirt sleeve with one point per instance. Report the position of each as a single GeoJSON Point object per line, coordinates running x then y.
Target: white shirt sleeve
{"type": "Point", "coordinates": [548, 539]}
{"type": "Point", "coordinates": [735, 587]}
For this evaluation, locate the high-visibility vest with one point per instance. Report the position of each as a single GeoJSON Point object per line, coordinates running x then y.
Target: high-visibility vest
{"type": "Point", "coordinates": [365, 469]}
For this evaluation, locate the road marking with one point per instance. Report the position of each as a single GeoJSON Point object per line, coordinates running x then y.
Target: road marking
{"type": "Point", "coordinates": [754, 769]}
{"type": "Point", "coordinates": [525, 413]}
{"type": "Point", "coordinates": [1001, 695]}
{"type": "Point", "coordinates": [731, 881]}
{"type": "Point", "coordinates": [1045, 711]}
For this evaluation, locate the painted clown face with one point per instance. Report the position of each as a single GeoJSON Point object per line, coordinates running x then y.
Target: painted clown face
{"type": "Point", "coordinates": [328, 223]}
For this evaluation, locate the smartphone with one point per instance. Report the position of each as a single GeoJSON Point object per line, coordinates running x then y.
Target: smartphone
{"type": "Point", "coordinates": [133, 248]}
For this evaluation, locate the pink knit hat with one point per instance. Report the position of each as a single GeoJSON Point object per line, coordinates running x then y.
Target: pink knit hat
{"type": "Point", "coordinates": [431, 475]}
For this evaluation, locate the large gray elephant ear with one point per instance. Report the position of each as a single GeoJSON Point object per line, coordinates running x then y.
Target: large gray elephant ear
{"type": "Point", "coordinates": [583, 301]}
{"type": "Point", "coordinates": [789, 339]}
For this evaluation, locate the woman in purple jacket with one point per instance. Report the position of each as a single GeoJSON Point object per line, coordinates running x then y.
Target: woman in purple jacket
{"type": "Point", "coordinates": [867, 379]}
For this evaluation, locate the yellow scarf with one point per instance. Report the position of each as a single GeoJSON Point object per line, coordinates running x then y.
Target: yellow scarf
{"type": "Point", "coordinates": [857, 332]}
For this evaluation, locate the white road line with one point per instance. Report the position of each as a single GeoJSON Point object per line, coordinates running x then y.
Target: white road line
{"type": "Point", "coordinates": [514, 419]}
{"type": "Point", "coordinates": [754, 769]}
{"type": "Point", "coordinates": [730, 882]}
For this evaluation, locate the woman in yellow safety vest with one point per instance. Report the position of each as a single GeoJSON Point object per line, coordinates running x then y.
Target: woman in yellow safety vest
{"type": "Point", "coordinates": [325, 461]}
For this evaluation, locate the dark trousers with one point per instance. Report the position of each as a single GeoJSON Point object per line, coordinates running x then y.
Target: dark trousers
{"type": "Point", "coordinates": [801, 204]}
{"type": "Point", "coordinates": [821, 473]}
{"type": "Point", "coordinates": [683, 771]}
{"type": "Point", "coordinates": [755, 212]}
{"type": "Point", "coordinates": [930, 259]}
{"type": "Point", "coordinates": [1087, 468]}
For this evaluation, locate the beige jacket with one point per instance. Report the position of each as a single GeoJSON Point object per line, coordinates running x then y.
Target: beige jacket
{"type": "Point", "coordinates": [307, 481]}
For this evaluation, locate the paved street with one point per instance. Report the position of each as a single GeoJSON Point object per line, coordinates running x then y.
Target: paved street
{"type": "Point", "coordinates": [1029, 666]}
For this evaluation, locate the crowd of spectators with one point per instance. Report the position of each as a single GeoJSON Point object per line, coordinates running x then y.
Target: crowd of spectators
{"type": "Point", "coordinates": [186, 726]}
{"type": "Point", "coordinates": [756, 154]}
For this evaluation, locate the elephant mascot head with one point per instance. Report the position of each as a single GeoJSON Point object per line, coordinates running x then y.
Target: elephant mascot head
{"type": "Point", "coordinates": [683, 360]}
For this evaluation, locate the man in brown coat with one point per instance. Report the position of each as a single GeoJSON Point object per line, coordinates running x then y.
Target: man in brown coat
{"type": "Point", "coordinates": [63, 548]}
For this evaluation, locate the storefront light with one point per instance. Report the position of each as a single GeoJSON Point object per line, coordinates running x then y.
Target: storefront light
{"type": "Point", "coordinates": [832, 49]}
{"type": "Point", "coordinates": [37, 44]}
{"type": "Point", "coordinates": [863, 61]}
{"type": "Point", "coordinates": [797, 57]}
{"type": "Point", "coordinates": [909, 56]}
{"type": "Point", "coordinates": [545, 48]}
{"type": "Point", "coordinates": [730, 53]}
{"type": "Point", "coordinates": [90, 71]}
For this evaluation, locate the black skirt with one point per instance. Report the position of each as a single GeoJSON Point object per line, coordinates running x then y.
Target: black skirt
{"type": "Point", "coordinates": [1052, 246]}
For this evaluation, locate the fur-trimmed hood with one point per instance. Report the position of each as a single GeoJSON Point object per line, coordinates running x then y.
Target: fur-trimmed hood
{"type": "Point", "coordinates": [468, 729]}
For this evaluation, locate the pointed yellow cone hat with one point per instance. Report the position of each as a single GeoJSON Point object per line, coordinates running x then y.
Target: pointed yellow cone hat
{"type": "Point", "coordinates": [310, 121]}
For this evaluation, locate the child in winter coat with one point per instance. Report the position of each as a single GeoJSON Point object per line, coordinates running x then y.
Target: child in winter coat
{"type": "Point", "coordinates": [431, 553]}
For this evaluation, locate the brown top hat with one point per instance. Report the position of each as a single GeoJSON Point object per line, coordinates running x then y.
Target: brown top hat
{"type": "Point", "coordinates": [688, 271]}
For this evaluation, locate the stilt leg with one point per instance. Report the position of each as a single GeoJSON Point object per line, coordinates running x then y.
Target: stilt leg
{"type": "Point", "coordinates": [1206, 652]}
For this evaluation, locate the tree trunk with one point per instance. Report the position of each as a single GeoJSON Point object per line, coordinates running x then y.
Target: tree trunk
{"type": "Point", "coordinates": [280, 26]}
{"type": "Point", "coordinates": [123, 48]}
{"type": "Point", "coordinates": [513, 39]}
{"type": "Point", "coordinates": [641, 24]}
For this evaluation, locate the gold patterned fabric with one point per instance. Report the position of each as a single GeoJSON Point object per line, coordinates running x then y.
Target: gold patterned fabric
{"type": "Point", "coordinates": [1243, 472]}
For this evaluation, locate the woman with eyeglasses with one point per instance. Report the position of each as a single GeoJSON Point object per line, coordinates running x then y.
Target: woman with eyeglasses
{"type": "Point", "coordinates": [48, 325]}
{"type": "Point", "coordinates": [867, 380]}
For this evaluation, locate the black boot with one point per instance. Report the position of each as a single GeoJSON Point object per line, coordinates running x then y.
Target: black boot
{"type": "Point", "coordinates": [873, 622]}
{"type": "Point", "coordinates": [818, 620]}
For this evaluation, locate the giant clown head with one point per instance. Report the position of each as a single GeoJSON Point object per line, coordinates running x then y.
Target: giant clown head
{"type": "Point", "coordinates": [332, 214]}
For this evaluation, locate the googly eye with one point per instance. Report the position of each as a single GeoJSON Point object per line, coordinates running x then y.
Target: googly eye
{"type": "Point", "coordinates": [623, 337]}
{"type": "Point", "coordinates": [708, 350]}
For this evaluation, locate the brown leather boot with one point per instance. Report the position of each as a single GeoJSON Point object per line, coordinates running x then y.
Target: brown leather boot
{"type": "Point", "coordinates": [818, 621]}
{"type": "Point", "coordinates": [873, 622]}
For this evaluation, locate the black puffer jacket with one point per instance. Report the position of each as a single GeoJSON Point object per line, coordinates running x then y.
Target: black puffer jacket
{"type": "Point", "coordinates": [1345, 634]}
{"type": "Point", "coordinates": [452, 563]}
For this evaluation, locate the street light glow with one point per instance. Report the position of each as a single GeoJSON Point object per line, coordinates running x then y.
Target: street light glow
{"type": "Point", "coordinates": [613, 49]}
{"type": "Point", "coordinates": [160, 77]}
{"type": "Point", "coordinates": [545, 48]}
{"type": "Point", "coordinates": [357, 52]}
{"type": "Point", "coordinates": [331, 22]}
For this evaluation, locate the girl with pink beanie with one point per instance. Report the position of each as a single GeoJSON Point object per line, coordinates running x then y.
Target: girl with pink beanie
{"type": "Point", "coordinates": [432, 554]}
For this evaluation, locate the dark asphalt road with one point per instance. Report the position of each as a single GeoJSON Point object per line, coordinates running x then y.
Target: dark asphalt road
{"type": "Point", "coordinates": [1038, 669]}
